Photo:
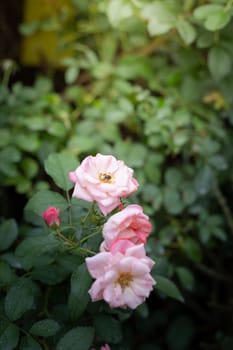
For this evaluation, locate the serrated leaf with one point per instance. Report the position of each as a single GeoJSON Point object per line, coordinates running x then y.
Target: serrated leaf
{"type": "Point", "coordinates": [44, 199]}
{"type": "Point", "coordinates": [77, 338]}
{"type": "Point", "coordinates": [20, 298]}
{"type": "Point", "coordinates": [45, 328]}
{"type": "Point", "coordinates": [79, 297]}
{"type": "Point", "coordinates": [108, 328]}
{"type": "Point", "coordinates": [8, 233]}
{"type": "Point", "coordinates": [168, 287]}
{"type": "Point", "coordinates": [58, 167]}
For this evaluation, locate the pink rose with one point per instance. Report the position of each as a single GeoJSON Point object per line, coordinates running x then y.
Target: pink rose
{"type": "Point", "coordinates": [104, 347]}
{"type": "Point", "coordinates": [51, 216]}
{"type": "Point", "coordinates": [103, 179]}
{"type": "Point", "coordinates": [129, 224]}
{"type": "Point", "coordinates": [121, 279]}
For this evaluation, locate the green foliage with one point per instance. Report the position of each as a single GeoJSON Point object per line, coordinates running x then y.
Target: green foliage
{"type": "Point", "coordinates": [77, 337]}
{"type": "Point", "coordinates": [151, 83]}
{"type": "Point", "coordinates": [168, 287]}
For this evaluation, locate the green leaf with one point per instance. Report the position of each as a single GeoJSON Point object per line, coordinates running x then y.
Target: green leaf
{"type": "Point", "coordinates": [71, 74]}
{"type": "Point", "coordinates": [28, 343]}
{"type": "Point", "coordinates": [182, 324]}
{"type": "Point", "coordinates": [173, 201]}
{"type": "Point", "coordinates": [30, 167]}
{"type": "Point", "coordinates": [186, 278]}
{"type": "Point", "coordinates": [8, 233]}
{"type": "Point", "coordinates": [49, 273]}
{"type": "Point", "coordinates": [217, 20]}
{"type": "Point", "coordinates": [29, 142]}
{"type": "Point", "coordinates": [80, 284]}
{"type": "Point", "coordinates": [204, 180]}
{"type": "Point", "coordinates": [57, 128]}
{"type": "Point", "coordinates": [160, 17]}
{"type": "Point", "coordinates": [168, 287]}
{"type": "Point", "coordinates": [214, 16]}
{"type": "Point", "coordinates": [58, 167]}
{"type": "Point", "coordinates": [32, 248]}
{"type": "Point", "coordinates": [219, 62]}
{"type": "Point", "coordinates": [9, 335]}
{"type": "Point", "coordinates": [192, 249]}
{"type": "Point", "coordinates": [5, 137]}
{"type": "Point", "coordinates": [186, 31]}
{"type": "Point", "coordinates": [20, 298]}
{"type": "Point", "coordinates": [118, 10]}
{"type": "Point", "coordinates": [45, 328]}
{"type": "Point", "coordinates": [44, 199]}
{"type": "Point", "coordinates": [173, 177]}
{"type": "Point", "coordinates": [77, 338]}
{"type": "Point", "coordinates": [108, 328]}
{"type": "Point", "coordinates": [7, 275]}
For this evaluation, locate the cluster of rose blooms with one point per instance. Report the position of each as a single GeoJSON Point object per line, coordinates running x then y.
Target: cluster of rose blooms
{"type": "Point", "coordinates": [121, 269]}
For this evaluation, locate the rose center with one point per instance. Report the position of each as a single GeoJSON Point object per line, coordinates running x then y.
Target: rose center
{"type": "Point", "coordinates": [124, 279]}
{"type": "Point", "coordinates": [106, 178]}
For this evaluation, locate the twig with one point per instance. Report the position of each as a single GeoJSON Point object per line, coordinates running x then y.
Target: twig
{"type": "Point", "coordinates": [225, 208]}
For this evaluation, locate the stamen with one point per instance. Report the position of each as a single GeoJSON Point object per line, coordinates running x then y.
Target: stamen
{"type": "Point", "coordinates": [124, 280]}
{"type": "Point", "coordinates": [106, 178]}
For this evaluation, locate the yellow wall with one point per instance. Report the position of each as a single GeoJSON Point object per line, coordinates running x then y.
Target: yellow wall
{"type": "Point", "coordinates": [41, 47]}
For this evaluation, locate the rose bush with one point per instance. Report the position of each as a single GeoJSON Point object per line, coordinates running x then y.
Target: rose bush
{"type": "Point", "coordinates": [70, 285]}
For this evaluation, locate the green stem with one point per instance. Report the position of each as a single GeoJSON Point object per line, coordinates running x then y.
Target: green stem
{"type": "Point", "coordinates": [65, 239]}
{"type": "Point", "coordinates": [69, 207]}
{"type": "Point", "coordinates": [90, 236]}
{"type": "Point", "coordinates": [223, 204]}
{"type": "Point", "coordinates": [88, 213]}
{"type": "Point", "coordinates": [86, 251]}
{"type": "Point", "coordinates": [214, 274]}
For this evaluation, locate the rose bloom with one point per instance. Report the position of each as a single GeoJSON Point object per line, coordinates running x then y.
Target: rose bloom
{"type": "Point", "coordinates": [104, 347]}
{"type": "Point", "coordinates": [103, 179]}
{"type": "Point", "coordinates": [51, 216]}
{"type": "Point", "coordinates": [130, 224]}
{"type": "Point", "coordinates": [121, 279]}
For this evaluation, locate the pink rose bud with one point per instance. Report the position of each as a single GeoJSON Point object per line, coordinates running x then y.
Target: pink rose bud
{"type": "Point", "coordinates": [51, 216]}
{"type": "Point", "coordinates": [103, 179]}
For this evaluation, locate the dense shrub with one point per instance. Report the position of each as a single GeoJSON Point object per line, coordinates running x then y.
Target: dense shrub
{"type": "Point", "coordinates": [151, 83]}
